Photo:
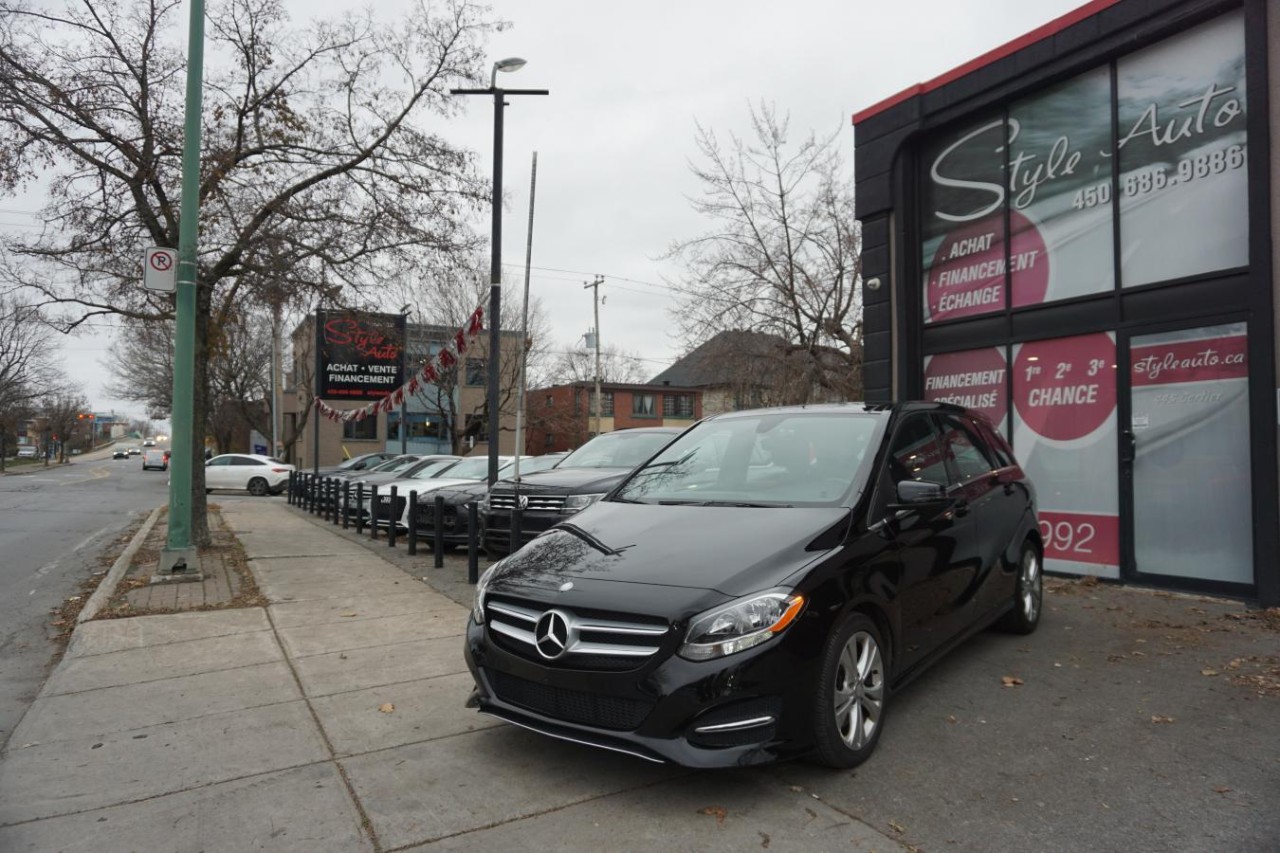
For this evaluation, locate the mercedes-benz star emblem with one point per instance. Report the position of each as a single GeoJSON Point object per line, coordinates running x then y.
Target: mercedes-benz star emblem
{"type": "Point", "coordinates": [522, 501]}
{"type": "Point", "coordinates": [551, 634]}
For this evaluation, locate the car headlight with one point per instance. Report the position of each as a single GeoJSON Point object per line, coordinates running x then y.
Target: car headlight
{"type": "Point", "coordinates": [482, 586]}
{"type": "Point", "coordinates": [577, 503]}
{"type": "Point", "coordinates": [739, 626]}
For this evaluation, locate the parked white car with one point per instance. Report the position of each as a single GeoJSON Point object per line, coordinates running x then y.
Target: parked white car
{"type": "Point", "coordinates": [465, 471]}
{"type": "Point", "coordinates": [258, 475]}
{"type": "Point", "coordinates": [27, 451]}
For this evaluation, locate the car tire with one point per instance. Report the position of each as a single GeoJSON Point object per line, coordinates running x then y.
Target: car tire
{"type": "Point", "coordinates": [1028, 593]}
{"type": "Point", "coordinates": [852, 694]}
{"type": "Point", "coordinates": [257, 487]}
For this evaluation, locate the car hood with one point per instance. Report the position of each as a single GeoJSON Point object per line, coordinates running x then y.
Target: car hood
{"type": "Point", "coordinates": [567, 481]}
{"type": "Point", "coordinates": [731, 550]}
{"type": "Point", "coordinates": [430, 484]}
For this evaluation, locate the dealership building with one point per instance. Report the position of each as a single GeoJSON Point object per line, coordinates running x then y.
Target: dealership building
{"type": "Point", "coordinates": [1075, 234]}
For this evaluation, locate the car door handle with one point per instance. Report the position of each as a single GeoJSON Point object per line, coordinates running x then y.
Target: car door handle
{"type": "Point", "coordinates": [961, 508]}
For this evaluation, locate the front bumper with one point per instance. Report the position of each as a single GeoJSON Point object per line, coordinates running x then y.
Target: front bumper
{"type": "Point", "coordinates": [744, 709]}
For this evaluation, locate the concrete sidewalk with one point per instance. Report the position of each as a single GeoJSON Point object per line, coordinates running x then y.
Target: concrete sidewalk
{"type": "Point", "coordinates": [333, 719]}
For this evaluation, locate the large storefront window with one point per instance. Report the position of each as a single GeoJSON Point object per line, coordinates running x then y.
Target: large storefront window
{"type": "Point", "coordinates": [1192, 486]}
{"type": "Point", "coordinates": [1183, 177]}
{"type": "Point", "coordinates": [974, 379]}
{"type": "Point", "coordinates": [1064, 434]}
{"type": "Point", "coordinates": [1060, 178]}
{"type": "Point", "coordinates": [1019, 209]}
{"type": "Point", "coordinates": [963, 227]}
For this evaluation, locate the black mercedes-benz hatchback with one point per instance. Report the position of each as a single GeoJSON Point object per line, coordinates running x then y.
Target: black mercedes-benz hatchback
{"type": "Point", "coordinates": [759, 588]}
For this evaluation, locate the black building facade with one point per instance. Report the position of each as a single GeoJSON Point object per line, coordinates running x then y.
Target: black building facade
{"type": "Point", "coordinates": [1074, 233]}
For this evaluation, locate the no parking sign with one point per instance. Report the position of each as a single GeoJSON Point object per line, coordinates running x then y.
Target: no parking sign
{"type": "Point", "coordinates": [159, 270]}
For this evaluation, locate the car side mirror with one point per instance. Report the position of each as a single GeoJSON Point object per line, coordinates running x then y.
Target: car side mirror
{"type": "Point", "coordinates": [913, 494]}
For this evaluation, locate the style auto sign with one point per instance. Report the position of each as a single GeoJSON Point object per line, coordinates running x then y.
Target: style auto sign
{"type": "Point", "coordinates": [358, 355]}
{"type": "Point", "coordinates": [1018, 208]}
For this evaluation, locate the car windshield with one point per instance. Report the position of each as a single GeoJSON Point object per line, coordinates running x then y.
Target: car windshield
{"type": "Point", "coordinates": [426, 470]}
{"type": "Point", "coordinates": [766, 459]}
{"type": "Point", "coordinates": [622, 449]}
{"type": "Point", "coordinates": [475, 468]}
{"type": "Point", "coordinates": [395, 466]}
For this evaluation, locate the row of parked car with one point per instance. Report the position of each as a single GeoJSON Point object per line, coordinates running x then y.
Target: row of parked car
{"type": "Point", "coordinates": [550, 488]}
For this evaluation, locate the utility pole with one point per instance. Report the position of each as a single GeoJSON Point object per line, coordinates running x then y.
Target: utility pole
{"type": "Point", "coordinates": [179, 553]}
{"type": "Point", "coordinates": [595, 286]}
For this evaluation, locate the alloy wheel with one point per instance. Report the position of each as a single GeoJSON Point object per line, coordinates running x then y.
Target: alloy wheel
{"type": "Point", "coordinates": [859, 690]}
{"type": "Point", "coordinates": [1030, 585]}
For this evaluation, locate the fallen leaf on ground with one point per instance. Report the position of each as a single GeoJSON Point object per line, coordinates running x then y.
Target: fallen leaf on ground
{"type": "Point", "coordinates": [1222, 790]}
{"type": "Point", "coordinates": [718, 812]}
{"type": "Point", "coordinates": [1208, 672]}
{"type": "Point", "coordinates": [1010, 681]}
{"type": "Point", "coordinates": [764, 839]}
{"type": "Point", "coordinates": [349, 614]}
{"type": "Point", "coordinates": [387, 708]}
{"type": "Point", "coordinates": [896, 827]}
{"type": "Point", "coordinates": [796, 789]}
{"type": "Point", "coordinates": [952, 718]}
{"type": "Point", "coordinates": [1161, 718]}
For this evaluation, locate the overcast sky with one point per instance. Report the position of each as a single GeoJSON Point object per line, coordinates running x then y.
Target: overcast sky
{"type": "Point", "coordinates": [615, 136]}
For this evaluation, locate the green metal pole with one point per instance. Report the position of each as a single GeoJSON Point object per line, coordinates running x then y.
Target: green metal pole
{"type": "Point", "coordinates": [179, 551]}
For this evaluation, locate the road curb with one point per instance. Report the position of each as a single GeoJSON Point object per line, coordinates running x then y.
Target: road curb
{"type": "Point", "coordinates": [108, 586]}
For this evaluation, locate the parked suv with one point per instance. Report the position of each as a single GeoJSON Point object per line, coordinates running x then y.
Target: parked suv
{"type": "Point", "coordinates": [761, 587]}
{"type": "Point", "coordinates": [580, 479]}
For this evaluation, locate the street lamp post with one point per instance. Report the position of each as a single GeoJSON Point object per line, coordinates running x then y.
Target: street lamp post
{"type": "Point", "coordinates": [495, 256]}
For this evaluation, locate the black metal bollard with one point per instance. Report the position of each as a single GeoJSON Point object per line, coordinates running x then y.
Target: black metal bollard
{"type": "Point", "coordinates": [326, 497]}
{"type": "Point", "coordinates": [346, 504]}
{"type": "Point", "coordinates": [290, 489]}
{"type": "Point", "coordinates": [437, 544]}
{"type": "Point", "coordinates": [359, 508]}
{"type": "Point", "coordinates": [411, 513]}
{"type": "Point", "coordinates": [311, 493]}
{"type": "Point", "coordinates": [373, 512]}
{"type": "Point", "coordinates": [338, 506]}
{"type": "Point", "coordinates": [473, 546]}
{"type": "Point", "coordinates": [391, 521]}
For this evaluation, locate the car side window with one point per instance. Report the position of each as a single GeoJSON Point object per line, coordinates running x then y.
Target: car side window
{"type": "Point", "coordinates": [244, 460]}
{"type": "Point", "coordinates": [997, 445]}
{"type": "Point", "coordinates": [916, 453]}
{"type": "Point", "coordinates": [968, 452]}
{"type": "Point", "coordinates": [220, 461]}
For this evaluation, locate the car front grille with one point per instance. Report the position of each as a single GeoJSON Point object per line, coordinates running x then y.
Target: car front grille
{"type": "Point", "coordinates": [596, 641]}
{"type": "Point", "coordinates": [572, 706]}
{"type": "Point", "coordinates": [536, 503]}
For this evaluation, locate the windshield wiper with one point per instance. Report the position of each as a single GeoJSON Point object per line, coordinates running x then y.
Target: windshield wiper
{"type": "Point", "coordinates": [745, 504]}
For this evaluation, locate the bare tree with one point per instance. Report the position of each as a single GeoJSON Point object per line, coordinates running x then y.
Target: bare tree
{"type": "Point", "coordinates": [316, 155]}
{"type": "Point", "coordinates": [579, 365]}
{"type": "Point", "coordinates": [447, 304]}
{"type": "Point", "coordinates": [61, 411]}
{"type": "Point", "coordinates": [28, 367]}
{"type": "Point", "coordinates": [782, 253]}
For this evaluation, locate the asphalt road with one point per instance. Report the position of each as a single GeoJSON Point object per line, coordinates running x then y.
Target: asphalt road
{"type": "Point", "coordinates": [53, 524]}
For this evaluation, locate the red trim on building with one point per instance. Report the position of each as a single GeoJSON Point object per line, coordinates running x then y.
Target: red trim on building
{"type": "Point", "coordinates": [1057, 25]}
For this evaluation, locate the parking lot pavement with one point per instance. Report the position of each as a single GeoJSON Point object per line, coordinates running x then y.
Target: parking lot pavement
{"type": "Point", "coordinates": [334, 719]}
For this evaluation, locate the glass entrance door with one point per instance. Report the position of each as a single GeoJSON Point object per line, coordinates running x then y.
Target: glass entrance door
{"type": "Point", "coordinates": [1188, 445]}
